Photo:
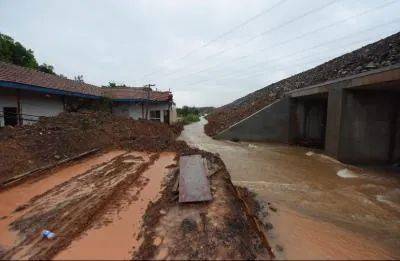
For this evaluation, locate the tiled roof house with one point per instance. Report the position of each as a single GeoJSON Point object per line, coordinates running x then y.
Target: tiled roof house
{"type": "Point", "coordinates": [26, 94]}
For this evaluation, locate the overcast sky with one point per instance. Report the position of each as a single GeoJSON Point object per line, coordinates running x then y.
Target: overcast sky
{"type": "Point", "coordinates": [208, 52]}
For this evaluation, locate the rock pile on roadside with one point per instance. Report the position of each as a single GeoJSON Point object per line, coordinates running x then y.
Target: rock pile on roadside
{"type": "Point", "coordinates": [380, 54]}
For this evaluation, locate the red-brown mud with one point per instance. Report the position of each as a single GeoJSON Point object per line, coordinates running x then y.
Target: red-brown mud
{"type": "Point", "coordinates": [70, 207]}
{"type": "Point", "coordinates": [111, 206]}
{"type": "Point", "coordinates": [115, 234]}
{"type": "Point", "coordinates": [52, 139]}
{"type": "Point", "coordinates": [18, 196]}
{"type": "Point", "coordinates": [218, 229]}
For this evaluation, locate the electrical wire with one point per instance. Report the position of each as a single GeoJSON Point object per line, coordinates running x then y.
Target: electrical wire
{"type": "Point", "coordinates": [221, 36]}
{"type": "Point", "coordinates": [281, 43]}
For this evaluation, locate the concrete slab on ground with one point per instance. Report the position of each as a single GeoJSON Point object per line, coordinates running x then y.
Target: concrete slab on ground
{"type": "Point", "coordinates": [193, 183]}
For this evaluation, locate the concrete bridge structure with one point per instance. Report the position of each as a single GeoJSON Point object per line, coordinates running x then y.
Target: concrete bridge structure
{"type": "Point", "coordinates": [355, 119]}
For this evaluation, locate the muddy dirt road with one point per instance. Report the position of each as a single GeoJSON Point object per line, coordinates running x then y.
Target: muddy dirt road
{"type": "Point", "coordinates": [122, 205]}
{"type": "Point", "coordinates": [325, 210]}
{"type": "Point", "coordinates": [88, 196]}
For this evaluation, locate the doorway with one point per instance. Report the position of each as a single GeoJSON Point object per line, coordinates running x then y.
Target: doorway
{"type": "Point", "coordinates": [166, 116]}
{"type": "Point", "coordinates": [10, 116]}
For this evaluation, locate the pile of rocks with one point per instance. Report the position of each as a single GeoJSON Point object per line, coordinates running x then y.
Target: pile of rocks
{"type": "Point", "coordinates": [380, 54]}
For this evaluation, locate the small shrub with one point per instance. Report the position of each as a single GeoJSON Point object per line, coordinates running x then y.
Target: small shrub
{"type": "Point", "coordinates": [190, 118]}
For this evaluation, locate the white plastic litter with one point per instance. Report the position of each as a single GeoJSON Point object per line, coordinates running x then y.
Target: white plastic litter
{"type": "Point", "coordinates": [48, 234]}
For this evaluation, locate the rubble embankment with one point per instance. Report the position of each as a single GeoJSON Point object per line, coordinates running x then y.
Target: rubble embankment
{"type": "Point", "coordinates": [380, 54]}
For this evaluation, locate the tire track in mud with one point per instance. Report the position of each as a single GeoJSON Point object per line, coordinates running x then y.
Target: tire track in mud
{"type": "Point", "coordinates": [70, 208]}
{"type": "Point", "coordinates": [115, 233]}
{"type": "Point", "coordinates": [18, 195]}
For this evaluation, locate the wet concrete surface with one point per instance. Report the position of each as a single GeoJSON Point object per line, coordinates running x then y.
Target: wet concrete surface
{"type": "Point", "coordinates": [325, 209]}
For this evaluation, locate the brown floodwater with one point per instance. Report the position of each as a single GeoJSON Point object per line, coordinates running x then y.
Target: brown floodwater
{"type": "Point", "coordinates": [116, 239]}
{"type": "Point", "coordinates": [16, 196]}
{"type": "Point", "coordinates": [326, 209]}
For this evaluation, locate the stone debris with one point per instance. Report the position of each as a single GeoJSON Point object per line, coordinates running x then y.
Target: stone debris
{"type": "Point", "coordinates": [380, 54]}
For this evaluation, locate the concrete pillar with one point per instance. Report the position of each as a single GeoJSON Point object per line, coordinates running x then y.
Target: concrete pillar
{"type": "Point", "coordinates": [334, 121]}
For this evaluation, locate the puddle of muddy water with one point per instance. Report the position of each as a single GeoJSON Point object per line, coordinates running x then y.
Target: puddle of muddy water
{"type": "Point", "coordinates": [316, 186]}
{"type": "Point", "coordinates": [117, 239]}
{"type": "Point", "coordinates": [16, 196]}
{"type": "Point", "coordinates": [319, 239]}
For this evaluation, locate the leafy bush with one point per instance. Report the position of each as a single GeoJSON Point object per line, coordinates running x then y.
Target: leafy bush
{"type": "Point", "coordinates": [190, 118]}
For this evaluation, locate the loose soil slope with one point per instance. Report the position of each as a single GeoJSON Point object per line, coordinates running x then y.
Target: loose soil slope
{"type": "Point", "coordinates": [52, 139]}
{"type": "Point", "coordinates": [376, 55]}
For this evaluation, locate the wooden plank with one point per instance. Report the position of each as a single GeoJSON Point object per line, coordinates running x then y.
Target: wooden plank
{"type": "Point", "coordinates": [193, 182]}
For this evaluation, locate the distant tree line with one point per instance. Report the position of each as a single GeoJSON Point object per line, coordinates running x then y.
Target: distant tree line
{"type": "Point", "coordinates": [114, 85]}
{"type": "Point", "coordinates": [186, 110]}
{"type": "Point", "coordinates": [192, 114]}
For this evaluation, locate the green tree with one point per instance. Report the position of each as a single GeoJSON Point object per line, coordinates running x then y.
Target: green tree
{"type": "Point", "coordinates": [79, 78]}
{"type": "Point", "coordinates": [15, 53]}
{"type": "Point", "coordinates": [46, 68]}
{"type": "Point", "coordinates": [114, 85]}
{"type": "Point", "coordinates": [111, 85]}
{"type": "Point", "coordinates": [186, 110]}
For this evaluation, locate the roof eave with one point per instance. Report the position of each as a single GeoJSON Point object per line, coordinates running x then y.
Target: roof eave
{"type": "Point", "coordinates": [47, 90]}
{"type": "Point", "coordinates": [137, 101]}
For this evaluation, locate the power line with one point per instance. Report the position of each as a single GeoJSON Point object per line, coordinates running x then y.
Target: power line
{"type": "Point", "coordinates": [246, 22]}
{"type": "Point", "coordinates": [261, 34]}
{"type": "Point", "coordinates": [238, 26]}
{"type": "Point", "coordinates": [325, 43]}
{"type": "Point", "coordinates": [301, 59]}
{"type": "Point", "coordinates": [295, 38]}
{"type": "Point", "coordinates": [338, 52]}
{"type": "Point", "coordinates": [303, 50]}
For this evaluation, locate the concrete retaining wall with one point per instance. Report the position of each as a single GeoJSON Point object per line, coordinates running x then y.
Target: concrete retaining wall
{"type": "Point", "coordinates": [368, 127]}
{"type": "Point", "coordinates": [268, 124]}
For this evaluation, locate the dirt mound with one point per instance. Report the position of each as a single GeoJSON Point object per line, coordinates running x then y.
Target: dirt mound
{"type": "Point", "coordinates": [215, 230]}
{"type": "Point", "coordinates": [52, 139]}
{"type": "Point", "coordinates": [380, 54]}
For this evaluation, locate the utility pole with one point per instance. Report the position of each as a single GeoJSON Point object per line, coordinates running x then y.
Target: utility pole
{"type": "Point", "coordinates": [148, 86]}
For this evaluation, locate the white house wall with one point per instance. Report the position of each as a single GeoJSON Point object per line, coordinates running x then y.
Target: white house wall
{"type": "Point", "coordinates": [42, 105]}
{"type": "Point", "coordinates": [38, 105]}
{"type": "Point", "coordinates": [46, 105]}
{"type": "Point", "coordinates": [136, 111]}
{"type": "Point", "coordinates": [173, 116]}
{"type": "Point", "coordinates": [159, 107]}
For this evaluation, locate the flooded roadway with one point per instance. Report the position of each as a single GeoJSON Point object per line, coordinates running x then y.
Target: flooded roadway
{"type": "Point", "coordinates": [325, 209]}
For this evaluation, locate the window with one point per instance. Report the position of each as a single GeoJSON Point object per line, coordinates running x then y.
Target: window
{"type": "Point", "coordinates": [155, 115]}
